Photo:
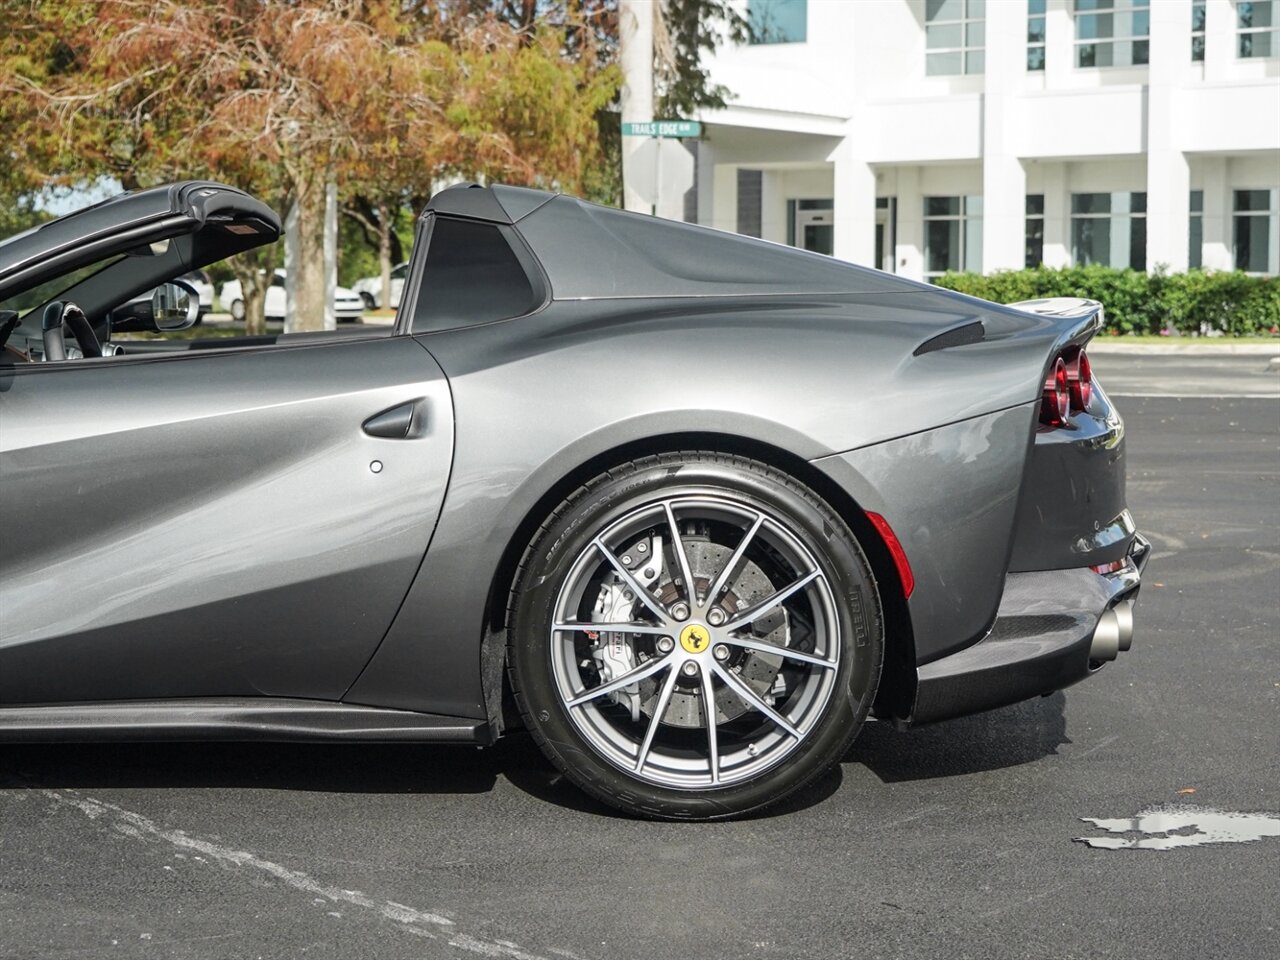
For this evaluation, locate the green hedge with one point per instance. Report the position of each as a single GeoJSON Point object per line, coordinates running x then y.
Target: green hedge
{"type": "Point", "coordinates": [1195, 302]}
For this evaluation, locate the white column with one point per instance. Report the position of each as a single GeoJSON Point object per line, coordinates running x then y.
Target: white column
{"type": "Point", "coordinates": [1216, 252]}
{"type": "Point", "coordinates": [1057, 215]}
{"type": "Point", "coordinates": [635, 38]}
{"type": "Point", "coordinates": [854, 213]}
{"type": "Point", "coordinates": [724, 198]}
{"type": "Point", "coordinates": [1004, 181]}
{"type": "Point", "coordinates": [1219, 39]}
{"type": "Point", "coordinates": [1059, 42]}
{"type": "Point", "coordinates": [1168, 173]}
{"type": "Point", "coordinates": [706, 160]}
{"type": "Point", "coordinates": [909, 249]}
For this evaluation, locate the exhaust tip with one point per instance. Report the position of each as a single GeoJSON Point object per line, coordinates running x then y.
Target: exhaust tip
{"type": "Point", "coordinates": [1106, 637]}
{"type": "Point", "coordinates": [1124, 617]}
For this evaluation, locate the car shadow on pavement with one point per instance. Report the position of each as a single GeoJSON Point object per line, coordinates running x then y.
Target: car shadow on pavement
{"type": "Point", "coordinates": [1006, 737]}
{"type": "Point", "coordinates": [1019, 734]}
{"type": "Point", "coordinates": [332, 768]}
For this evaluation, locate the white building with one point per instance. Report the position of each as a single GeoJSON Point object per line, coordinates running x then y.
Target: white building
{"type": "Point", "coordinates": [924, 135]}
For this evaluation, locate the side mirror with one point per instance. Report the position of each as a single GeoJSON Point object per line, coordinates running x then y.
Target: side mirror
{"type": "Point", "coordinates": [174, 306]}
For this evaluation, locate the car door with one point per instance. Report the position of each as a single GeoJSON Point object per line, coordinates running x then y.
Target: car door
{"type": "Point", "coordinates": [213, 522]}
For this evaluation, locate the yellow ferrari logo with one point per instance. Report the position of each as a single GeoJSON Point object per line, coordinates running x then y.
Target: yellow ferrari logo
{"type": "Point", "coordinates": [694, 638]}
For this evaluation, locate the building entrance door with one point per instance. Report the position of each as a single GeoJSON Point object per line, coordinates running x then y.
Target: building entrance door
{"type": "Point", "coordinates": [815, 229]}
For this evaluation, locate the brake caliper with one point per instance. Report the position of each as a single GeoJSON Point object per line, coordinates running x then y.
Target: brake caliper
{"type": "Point", "coordinates": [614, 652]}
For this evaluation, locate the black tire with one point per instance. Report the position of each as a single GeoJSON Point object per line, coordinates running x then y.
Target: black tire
{"type": "Point", "coordinates": [236, 309]}
{"type": "Point", "coordinates": [556, 552]}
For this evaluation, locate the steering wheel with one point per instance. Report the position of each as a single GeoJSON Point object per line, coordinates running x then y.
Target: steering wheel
{"type": "Point", "coordinates": [55, 315]}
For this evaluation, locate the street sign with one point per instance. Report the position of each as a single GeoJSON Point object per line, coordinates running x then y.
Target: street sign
{"type": "Point", "coordinates": [663, 128]}
{"type": "Point", "coordinates": [658, 169]}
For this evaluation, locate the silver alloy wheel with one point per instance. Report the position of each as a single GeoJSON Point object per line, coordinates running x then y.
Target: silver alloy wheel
{"type": "Point", "coordinates": [759, 728]}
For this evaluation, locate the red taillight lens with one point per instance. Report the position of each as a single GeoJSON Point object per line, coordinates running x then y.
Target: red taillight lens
{"type": "Point", "coordinates": [1080, 377]}
{"type": "Point", "coordinates": [1056, 402]}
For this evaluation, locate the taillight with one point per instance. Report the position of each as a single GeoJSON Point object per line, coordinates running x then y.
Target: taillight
{"type": "Point", "coordinates": [1055, 404]}
{"type": "Point", "coordinates": [1080, 378]}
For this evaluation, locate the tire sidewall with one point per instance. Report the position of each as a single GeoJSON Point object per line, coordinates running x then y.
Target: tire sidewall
{"type": "Point", "coordinates": [572, 529]}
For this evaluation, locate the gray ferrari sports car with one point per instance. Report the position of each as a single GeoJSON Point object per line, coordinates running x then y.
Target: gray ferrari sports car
{"type": "Point", "coordinates": [688, 506]}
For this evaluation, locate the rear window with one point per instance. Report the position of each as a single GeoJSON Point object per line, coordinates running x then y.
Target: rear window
{"type": "Point", "coordinates": [471, 276]}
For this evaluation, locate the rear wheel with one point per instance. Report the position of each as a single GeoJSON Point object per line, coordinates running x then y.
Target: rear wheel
{"type": "Point", "coordinates": [237, 310]}
{"type": "Point", "coordinates": [694, 635]}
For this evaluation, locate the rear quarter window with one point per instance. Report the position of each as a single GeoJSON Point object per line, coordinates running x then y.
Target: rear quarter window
{"type": "Point", "coordinates": [472, 275]}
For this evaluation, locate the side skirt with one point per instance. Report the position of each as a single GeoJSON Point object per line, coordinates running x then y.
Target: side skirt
{"type": "Point", "coordinates": [261, 718]}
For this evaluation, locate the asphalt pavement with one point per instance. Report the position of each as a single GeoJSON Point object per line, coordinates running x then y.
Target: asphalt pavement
{"type": "Point", "coordinates": [952, 841]}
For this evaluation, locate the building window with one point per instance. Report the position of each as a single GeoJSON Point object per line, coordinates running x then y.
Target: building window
{"type": "Point", "coordinates": [778, 21]}
{"type": "Point", "coordinates": [954, 36]}
{"type": "Point", "coordinates": [1197, 30]}
{"type": "Point", "coordinates": [952, 235]}
{"type": "Point", "coordinates": [1254, 223]}
{"type": "Point", "coordinates": [1035, 34]}
{"type": "Point", "coordinates": [1112, 33]}
{"type": "Point", "coordinates": [1195, 231]}
{"type": "Point", "coordinates": [1110, 229]}
{"type": "Point", "coordinates": [1257, 21]}
{"type": "Point", "coordinates": [1035, 229]}
{"type": "Point", "coordinates": [750, 186]}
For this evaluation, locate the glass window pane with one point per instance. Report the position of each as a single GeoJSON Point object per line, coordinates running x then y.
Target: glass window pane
{"type": "Point", "coordinates": [1197, 48]}
{"type": "Point", "coordinates": [975, 34]}
{"type": "Point", "coordinates": [938, 38]}
{"type": "Point", "coordinates": [1090, 28]}
{"type": "Point", "coordinates": [943, 64]}
{"type": "Point", "coordinates": [944, 10]}
{"type": "Point", "coordinates": [1138, 243]}
{"type": "Point", "coordinates": [1035, 242]}
{"type": "Point", "coordinates": [942, 206]}
{"type": "Point", "coordinates": [1035, 6]}
{"type": "Point", "coordinates": [1252, 200]}
{"type": "Point", "coordinates": [1197, 201]}
{"type": "Point", "coordinates": [941, 245]}
{"type": "Point", "coordinates": [977, 8]}
{"type": "Point", "coordinates": [1035, 204]}
{"type": "Point", "coordinates": [1035, 30]}
{"type": "Point", "coordinates": [973, 206]}
{"type": "Point", "coordinates": [778, 21]}
{"type": "Point", "coordinates": [1139, 25]}
{"type": "Point", "coordinates": [1137, 202]}
{"type": "Point", "coordinates": [1086, 55]}
{"type": "Point", "coordinates": [973, 244]}
{"type": "Point", "coordinates": [1091, 241]}
{"type": "Point", "coordinates": [1258, 44]}
{"type": "Point", "coordinates": [975, 61]}
{"type": "Point", "coordinates": [1091, 203]}
{"type": "Point", "coordinates": [1197, 16]}
{"type": "Point", "coordinates": [1195, 242]}
{"type": "Point", "coordinates": [1035, 58]}
{"type": "Point", "coordinates": [1252, 243]}
{"type": "Point", "coordinates": [471, 276]}
{"type": "Point", "coordinates": [1141, 52]}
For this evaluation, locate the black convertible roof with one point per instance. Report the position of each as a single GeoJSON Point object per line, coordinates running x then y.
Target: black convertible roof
{"type": "Point", "coordinates": [220, 220]}
{"type": "Point", "coordinates": [591, 251]}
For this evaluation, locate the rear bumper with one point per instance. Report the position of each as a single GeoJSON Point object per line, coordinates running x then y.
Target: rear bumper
{"type": "Point", "coordinates": [1042, 640]}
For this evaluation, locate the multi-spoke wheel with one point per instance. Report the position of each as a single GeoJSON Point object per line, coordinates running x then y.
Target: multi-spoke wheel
{"type": "Point", "coordinates": [694, 635]}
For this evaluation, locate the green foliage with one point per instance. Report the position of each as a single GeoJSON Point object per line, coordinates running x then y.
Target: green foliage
{"type": "Point", "coordinates": [1195, 302]}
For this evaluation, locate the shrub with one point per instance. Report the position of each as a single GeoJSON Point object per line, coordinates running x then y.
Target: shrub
{"type": "Point", "coordinates": [1195, 302]}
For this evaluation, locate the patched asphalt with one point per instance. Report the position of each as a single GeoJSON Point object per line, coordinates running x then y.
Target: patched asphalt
{"type": "Point", "coordinates": [952, 841]}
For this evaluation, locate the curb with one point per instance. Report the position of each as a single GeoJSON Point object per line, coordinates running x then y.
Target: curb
{"type": "Point", "coordinates": [1106, 345]}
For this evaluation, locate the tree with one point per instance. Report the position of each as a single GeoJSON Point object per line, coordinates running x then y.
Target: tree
{"type": "Point", "coordinates": [282, 97]}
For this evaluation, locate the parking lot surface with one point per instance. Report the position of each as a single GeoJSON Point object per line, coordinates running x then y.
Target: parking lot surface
{"type": "Point", "coordinates": [951, 841]}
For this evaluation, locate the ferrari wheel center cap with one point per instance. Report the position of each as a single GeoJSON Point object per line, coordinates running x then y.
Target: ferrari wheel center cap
{"type": "Point", "coordinates": [695, 638]}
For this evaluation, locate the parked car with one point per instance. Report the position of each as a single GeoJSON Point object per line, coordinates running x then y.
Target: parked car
{"type": "Point", "coordinates": [347, 305]}
{"type": "Point", "coordinates": [370, 288]}
{"type": "Point", "coordinates": [688, 505]}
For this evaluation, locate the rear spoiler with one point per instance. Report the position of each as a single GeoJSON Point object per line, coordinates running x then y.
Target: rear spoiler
{"type": "Point", "coordinates": [1082, 318]}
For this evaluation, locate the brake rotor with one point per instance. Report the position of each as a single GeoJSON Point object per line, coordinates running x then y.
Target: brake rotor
{"type": "Point", "coordinates": [757, 670]}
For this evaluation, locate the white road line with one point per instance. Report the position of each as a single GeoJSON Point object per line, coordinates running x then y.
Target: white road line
{"type": "Point", "coordinates": [417, 922]}
{"type": "Point", "coordinates": [1201, 396]}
